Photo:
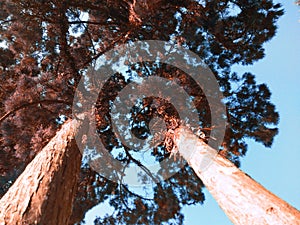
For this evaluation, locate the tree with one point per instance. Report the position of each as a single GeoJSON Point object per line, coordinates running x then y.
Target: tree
{"type": "Point", "coordinates": [46, 187]}
{"type": "Point", "coordinates": [243, 200]}
{"type": "Point", "coordinates": [50, 46]}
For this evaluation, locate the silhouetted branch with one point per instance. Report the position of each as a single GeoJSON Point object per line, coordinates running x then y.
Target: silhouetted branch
{"type": "Point", "coordinates": [47, 101]}
{"type": "Point", "coordinates": [111, 46]}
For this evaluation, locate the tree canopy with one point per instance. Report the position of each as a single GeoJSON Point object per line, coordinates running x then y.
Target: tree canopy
{"type": "Point", "coordinates": [47, 47]}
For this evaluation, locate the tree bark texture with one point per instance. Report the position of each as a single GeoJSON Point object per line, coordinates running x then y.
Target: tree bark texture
{"type": "Point", "coordinates": [242, 199]}
{"type": "Point", "coordinates": [43, 194]}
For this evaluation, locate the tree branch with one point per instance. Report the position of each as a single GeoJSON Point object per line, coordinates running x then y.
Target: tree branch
{"type": "Point", "coordinates": [111, 46]}
{"type": "Point", "coordinates": [47, 101]}
{"type": "Point", "coordinates": [90, 22]}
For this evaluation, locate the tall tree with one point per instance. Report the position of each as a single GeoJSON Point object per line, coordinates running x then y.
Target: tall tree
{"type": "Point", "coordinates": [46, 187]}
{"type": "Point", "coordinates": [48, 47]}
{"type": "Point", "coordinates": [242, 199]}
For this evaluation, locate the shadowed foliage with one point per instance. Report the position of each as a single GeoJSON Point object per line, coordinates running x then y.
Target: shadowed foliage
{"type": "Point", "coordinates": [48, 46]}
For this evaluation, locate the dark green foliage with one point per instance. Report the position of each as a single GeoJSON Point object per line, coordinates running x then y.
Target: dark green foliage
{"type": "Point", "coordinates": [49, 46]}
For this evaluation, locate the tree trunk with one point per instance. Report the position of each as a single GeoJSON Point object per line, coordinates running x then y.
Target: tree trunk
{"type": "Point", "coordinates": [43, 194]}
{"type": "Point", "coordinates": [243, 199]}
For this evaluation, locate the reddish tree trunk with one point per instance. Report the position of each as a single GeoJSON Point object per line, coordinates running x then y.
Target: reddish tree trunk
{"type": "Point", "coordinates": [43, 194]}
{"type": "Point", "coordinates": [243, 199]}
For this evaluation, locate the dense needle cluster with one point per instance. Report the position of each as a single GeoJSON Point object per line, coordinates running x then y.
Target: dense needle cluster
{"type": "Point", "coordinates": [47, 47]}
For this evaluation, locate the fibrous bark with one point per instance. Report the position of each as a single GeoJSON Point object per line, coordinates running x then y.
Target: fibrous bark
{"type": "Point", "coordinates": [44, 192]}
{"type": "Point", "coordinates": [242, 199]}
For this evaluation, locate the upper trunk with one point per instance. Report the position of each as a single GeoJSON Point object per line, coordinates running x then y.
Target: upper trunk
{"type": "Point", "coordinates": [243, 199]}
{"type": "Point", "coordinates": [44, 192]}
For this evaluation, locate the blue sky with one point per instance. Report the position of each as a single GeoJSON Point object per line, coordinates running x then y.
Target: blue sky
{"type": "Point", "coordinates": [278, 168]}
